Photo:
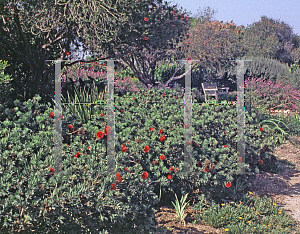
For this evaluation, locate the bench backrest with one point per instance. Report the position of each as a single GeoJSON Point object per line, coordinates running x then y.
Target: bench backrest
{"type": "Point", "coordinates": [209, 86]}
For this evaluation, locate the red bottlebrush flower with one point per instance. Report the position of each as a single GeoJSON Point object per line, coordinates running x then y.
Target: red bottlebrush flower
{"type": "Point", "coordinates": [113, 186]}
{"type": "Point", "coordinates": [77, 155]}
{"type": "Point", "coordinates": [67, 53]}
{"type": "Point", "coordinates": [186, 17]}
{"type": "Point", "coordinates": [162, 157]}
{"type": "Point", "coordinates": [160, 131]}
{"type": "Point", "coordinates": [119, 179]}
{"type": "Point", "coordinates": [124, 149]}
{"type": "Point", "coordinates": [145, 175]}
{"type": "Point", "coordinates": [99, 134]}
{"type": "Point", "coordinates": [70, 126]}
{"type": "Point", "coordinates": [205, 42]}
{"type": "Point", "coordinates": [162, 139]}
{"type": "Point", "coordinates": [134, 98]}
{"type": "Point", "coordinates": [150, 91]}
{"type": "Point", "coordinates": [118, 175]}
{"type": "Point", "coordinates": [199, 164]}
{"type": "Point", "coordinates": [155, 162]}
{"type": "Point", "coordinates": [51, 169]}
{"type": "Point", "coordinates": [240, 159]}
{"type": "Point", "coordinates": [225, 146]}
{"type": "Point", "coordinates": [151, 129]}
{"type": "Point", "coordinates": [206, 169]}
{"type": "Point", "coordinates": [228, 185]}
{"type": "Point", "coordinates": [188, 35]}
{"type": "Point", "coordinates": [170, 177]}
{"type": "Point", "coordinates": [176, 169]}
{"type": "Point", "coordinates": [125, 168]}
{"type": "Point", "coordinates": [260, 161]}
{"type": "Point", "coordinates": [101, 115]}
{"type": "Point", "coordinates": [171, 169]}
{"type": "Point", "coordinates": [145, 38]}
{"type": "Point", "coordinates": [261, 129]}
{"type": "Point", "coordinates": [224, 132]}
{"type": "Point", "coordinates": [195, 144]}
{"type": "Point", "coordinates": [188, 142]}
{"type": "Point", "coordinates": [164, 94]}
{"type": "Point", "coordinates": [175, 97]}
{"type": "Point", "coordinates": [107, 130]}
{"type": "Point", "coordinates": [51, 115]}
{"type": "Point", "coordinates": [122, 110]}
{"type": "Point", "coordinates": [146, 19]}
{"type": "Point", "coordinates": [94, 25]}
{"type": "Point", "coordinates": [146, 149]}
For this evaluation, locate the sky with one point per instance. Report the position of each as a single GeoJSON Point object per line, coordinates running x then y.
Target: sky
{"type": "Point", "coordinates": [245, 12]}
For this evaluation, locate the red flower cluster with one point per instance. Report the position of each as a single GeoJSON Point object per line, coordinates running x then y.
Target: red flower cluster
{"type": "Point", "coordinates": [162, 139]}
{"type": "Point", "coordinates": [145, 175]}
{"type": "Point", "coordinates": [260, 161]}
{"type": "Point", "coordinates": [146, 149]}
{"type": "Point", "coordinates": [114, 186]}
{"type": "Point", "coordinates": [124, 149]}
{"type": "Point", "coordinates": [51, 115]}
{"type": "Point", "coordinates": [77, 155]}
{"type": "Point", "coordinates": [51, 171]}
{"type": "Point", "coordinates": [228, 185]}
{"type": "Point", "coordinates": [119, 178]}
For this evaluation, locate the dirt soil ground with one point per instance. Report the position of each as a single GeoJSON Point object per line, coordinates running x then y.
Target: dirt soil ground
{"type": "Point", "coordinates": [283, 188]}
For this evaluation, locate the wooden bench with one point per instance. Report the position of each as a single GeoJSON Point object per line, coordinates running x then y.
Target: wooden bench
{"type": "Point", "coordinates": [213, 90]}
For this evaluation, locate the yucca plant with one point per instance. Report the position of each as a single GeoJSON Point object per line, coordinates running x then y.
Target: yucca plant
{"type": "Point", "coordinates": [82, 97]}
{"type": "Point", "coordinates": [181, 207]}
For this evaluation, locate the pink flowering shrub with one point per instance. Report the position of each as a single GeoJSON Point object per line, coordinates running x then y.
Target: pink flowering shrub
{"type": "Point", "coordinates": [272, 94]}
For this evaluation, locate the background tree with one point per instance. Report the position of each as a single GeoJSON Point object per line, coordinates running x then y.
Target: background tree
{"type": "Point", "coordinates": [271, 39]}
{"type": "Point", "coordinates": [215, 44]}
{"type": "Point", "coordinates": [152, 33]}
{"type": "Point", "coordinates": [33, 31]}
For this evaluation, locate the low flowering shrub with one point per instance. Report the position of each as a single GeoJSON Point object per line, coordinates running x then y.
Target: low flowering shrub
{"type": "Point", "coordinates": [156, 146]}
{"type": "Point", "coordinates": [83, 197]}
{"type": "Point", "coordinates": [149, 160]}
